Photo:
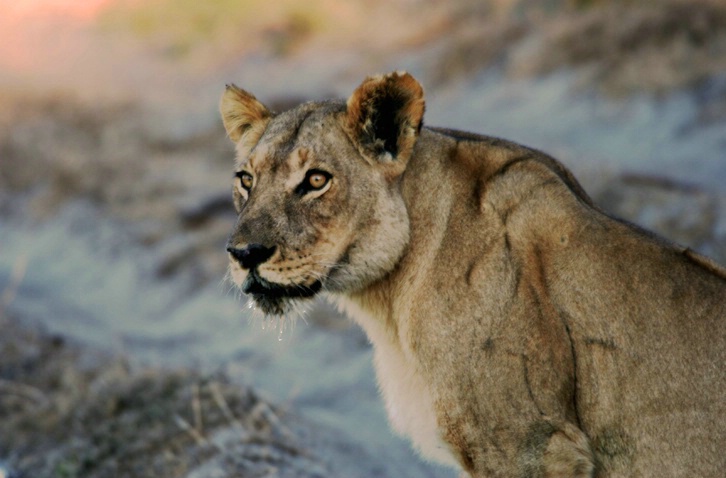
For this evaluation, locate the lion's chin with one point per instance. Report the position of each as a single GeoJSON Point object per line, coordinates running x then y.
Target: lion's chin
{"type": "Point", "coordinates": [276, 299]}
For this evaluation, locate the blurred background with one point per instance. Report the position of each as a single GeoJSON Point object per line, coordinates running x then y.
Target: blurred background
{"type": "Point", "coordinates": [124, 353]}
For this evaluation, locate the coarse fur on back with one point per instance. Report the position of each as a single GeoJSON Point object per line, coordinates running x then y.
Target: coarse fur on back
{"type": "Point", "coordinates": [518, 331]}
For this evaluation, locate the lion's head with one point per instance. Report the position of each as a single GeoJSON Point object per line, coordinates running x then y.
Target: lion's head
{"type": "Point", "coordinates": [317, 190]}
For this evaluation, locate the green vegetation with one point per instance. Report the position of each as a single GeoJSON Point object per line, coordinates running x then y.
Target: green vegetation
{"type": "Point", "coordinates": [177, 27]}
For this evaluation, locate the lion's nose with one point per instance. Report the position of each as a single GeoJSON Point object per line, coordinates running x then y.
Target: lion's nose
{"type": "Point", "coordinates": [252, 255]}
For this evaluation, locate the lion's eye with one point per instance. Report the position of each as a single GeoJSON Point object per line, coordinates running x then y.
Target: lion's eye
{"type": "Point", "coordinates": [245, 180]}
{"type": "Point", "coordinates": [315, 180]}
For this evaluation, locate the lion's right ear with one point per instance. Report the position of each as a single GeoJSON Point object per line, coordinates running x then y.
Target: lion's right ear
{"type": "Point", "coordinates": [383, 119]}
{"type": "Point", "coordinates": [243, 115]}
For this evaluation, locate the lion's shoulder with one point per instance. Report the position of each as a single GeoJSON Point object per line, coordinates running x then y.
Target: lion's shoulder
{"type": "Point", "coordinates": [488, 158]}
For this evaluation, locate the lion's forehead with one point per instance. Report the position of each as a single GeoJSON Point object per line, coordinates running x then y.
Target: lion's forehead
{"type": "Point", "coordinates": [286, 128]}
{"type": "Point", "coordinates": [295, 140]}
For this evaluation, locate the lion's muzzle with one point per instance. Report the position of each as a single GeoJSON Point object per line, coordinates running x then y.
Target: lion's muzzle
{"type": "Point", "coordinates": [273, 298]}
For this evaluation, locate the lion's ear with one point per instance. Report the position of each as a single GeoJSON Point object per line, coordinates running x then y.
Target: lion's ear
{"type": "Point", "coordinates": [384, 117]}
{"type": "Point", "coordinates": [243, 115]}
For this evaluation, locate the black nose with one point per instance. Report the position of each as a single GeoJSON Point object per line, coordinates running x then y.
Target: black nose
{"type": "Point", "coordinates": [252, 255]}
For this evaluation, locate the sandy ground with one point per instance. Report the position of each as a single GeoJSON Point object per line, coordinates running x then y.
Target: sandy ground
{"type": "Point", "coordinates": [123, 352]}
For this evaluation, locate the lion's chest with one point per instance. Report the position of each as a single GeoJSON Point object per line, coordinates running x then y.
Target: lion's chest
{"type": "Point", "coordinates": [409, 401]}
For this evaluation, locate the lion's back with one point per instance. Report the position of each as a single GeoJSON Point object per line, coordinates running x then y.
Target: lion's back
{"type": "Point", "coordinates": [647, 324]}
{"type": "Point", "coordinates": [645, 318]}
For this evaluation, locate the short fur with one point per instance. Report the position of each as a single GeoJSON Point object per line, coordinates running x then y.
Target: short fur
{"type": "Point", "coordinates": [518, 330]}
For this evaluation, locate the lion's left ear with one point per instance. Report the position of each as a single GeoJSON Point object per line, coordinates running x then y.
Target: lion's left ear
{"type": "Point", "coordinates": [243, 115]}
{"type": "Point", "coordinates": [384, 117]}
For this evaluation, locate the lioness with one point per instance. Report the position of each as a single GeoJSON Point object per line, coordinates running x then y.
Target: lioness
{"type": "Point", "coordinates": [518, 330]}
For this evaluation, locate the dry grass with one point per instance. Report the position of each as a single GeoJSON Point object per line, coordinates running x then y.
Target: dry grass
{"type": "Point", "coordinates": [71, 412]}
{"type": "Point", "coordinates": [61, 148]}
{"type": "Point", "coordinates": [184, 29]}
{"type": "Point", "coordinates": [620, 46]}
{"type": "Point", "coordinates": [476, 46]}
{"type": "Point", "coordinates": [652, 46]}
{"type": "Point", "coordinates": [56, 148]}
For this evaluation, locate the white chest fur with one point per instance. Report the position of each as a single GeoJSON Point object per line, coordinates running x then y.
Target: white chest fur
{"type": "Point", "coordinates": [408, 399]}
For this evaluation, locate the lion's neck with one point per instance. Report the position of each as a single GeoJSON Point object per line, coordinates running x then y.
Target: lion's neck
{"type": "Point", "coordinates": [371, 309]}
{"type": "Point", "coordinates": [409, 399]}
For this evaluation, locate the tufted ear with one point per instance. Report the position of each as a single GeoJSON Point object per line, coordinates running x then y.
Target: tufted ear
{"type": "Point", "coordinates": [243, 115]}
{"type": "Point", "coordinates": [383, 119]}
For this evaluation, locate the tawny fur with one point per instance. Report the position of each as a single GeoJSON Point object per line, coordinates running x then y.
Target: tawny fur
{"type": "Point", "coordinates": [518, 331]}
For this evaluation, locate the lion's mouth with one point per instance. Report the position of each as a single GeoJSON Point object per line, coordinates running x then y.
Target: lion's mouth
{"type": "Point", "coordinates": [274, 299]}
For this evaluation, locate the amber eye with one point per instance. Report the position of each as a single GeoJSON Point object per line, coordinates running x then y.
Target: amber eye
{"type": "Point", "coordinates": [317, 180]}
{"type": "Point", "coordinates": [245, 179]}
